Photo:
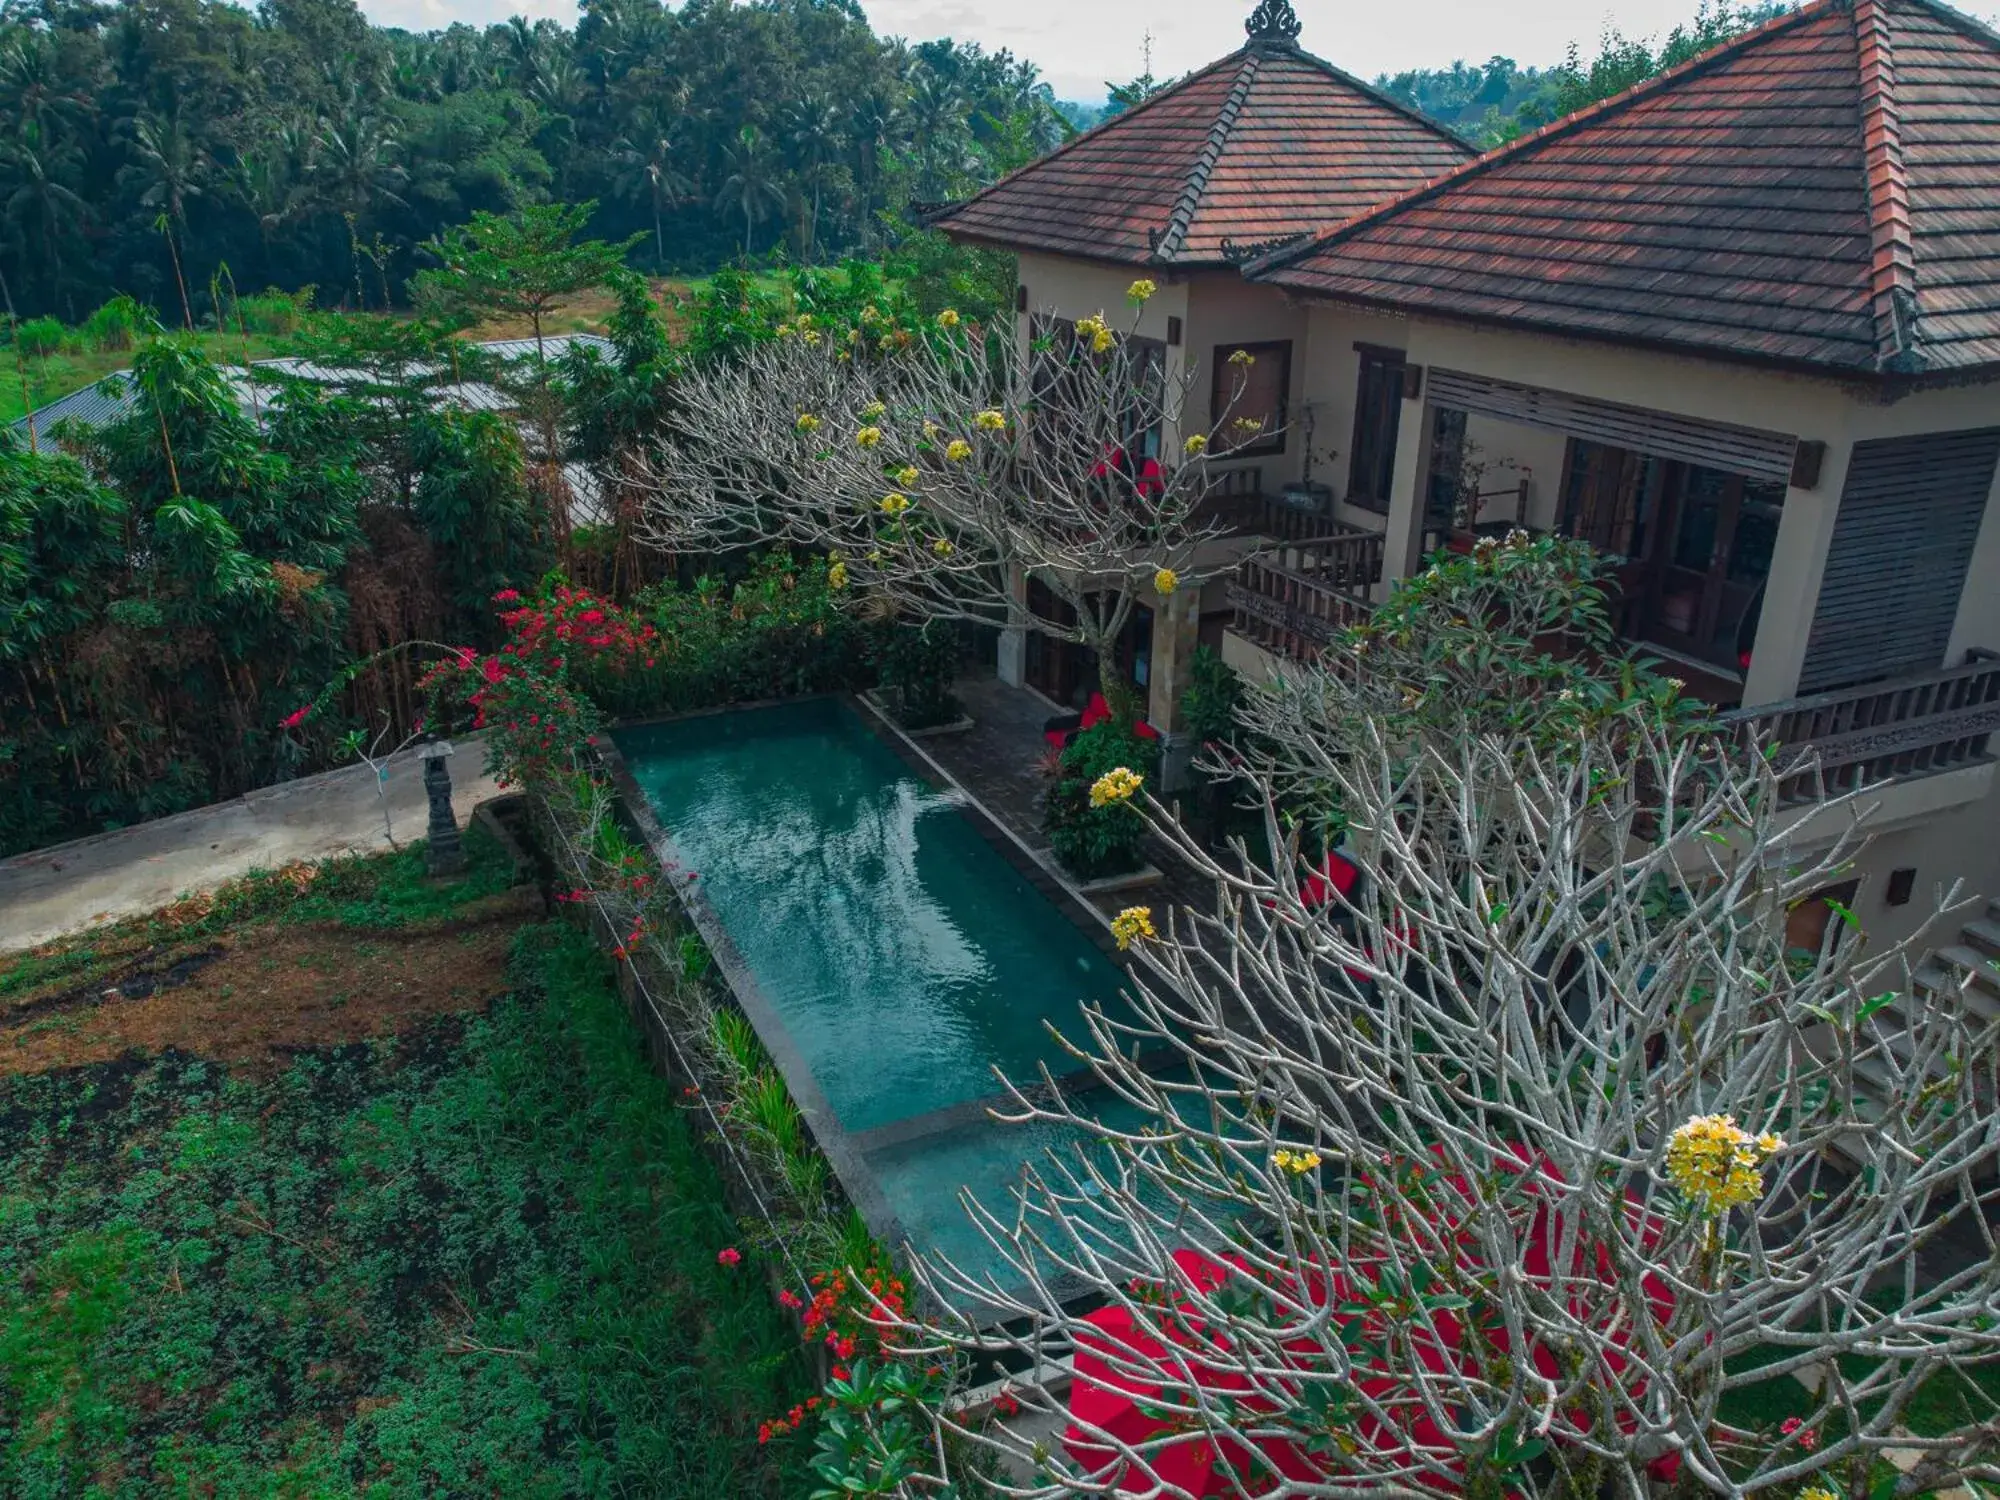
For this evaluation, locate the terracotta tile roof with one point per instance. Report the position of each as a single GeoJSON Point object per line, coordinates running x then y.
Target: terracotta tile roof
{"type": "Point", "coordinates": [1266, 144]}
{"type": "Point", "coordinates": [1822, 192]}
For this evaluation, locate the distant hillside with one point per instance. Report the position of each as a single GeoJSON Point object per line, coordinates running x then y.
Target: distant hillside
{"type": "Point", "coordinates": [1501, 100]}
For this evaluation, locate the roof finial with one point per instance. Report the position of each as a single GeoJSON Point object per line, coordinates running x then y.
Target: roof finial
{"type": "Point", "coordinates": [1273, 21]}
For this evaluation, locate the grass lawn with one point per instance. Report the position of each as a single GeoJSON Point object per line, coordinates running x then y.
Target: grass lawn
{"type": "Point", "coordinates": [363, 1188]}
{"type": "Point", "coordinates": [53, 377]}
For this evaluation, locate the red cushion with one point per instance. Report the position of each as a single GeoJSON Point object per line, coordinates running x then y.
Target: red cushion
{"type": "Point", "coordinates": [1098, 711]}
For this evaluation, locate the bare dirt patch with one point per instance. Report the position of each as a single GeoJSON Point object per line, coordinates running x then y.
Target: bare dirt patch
{"type": "Point", "coordinates": [254, 995]}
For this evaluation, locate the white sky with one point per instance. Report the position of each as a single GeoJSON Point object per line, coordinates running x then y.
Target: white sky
{"type": "Point", "coordinates": [1081, 43]}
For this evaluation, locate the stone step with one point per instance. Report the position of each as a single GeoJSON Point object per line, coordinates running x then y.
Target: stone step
{"type": "Point", "coordinates": [1984, 935]}
{"type": "Point", "coordinates": [1942, 982]}
{"type": "Point", "coordinates": [1980, 969]}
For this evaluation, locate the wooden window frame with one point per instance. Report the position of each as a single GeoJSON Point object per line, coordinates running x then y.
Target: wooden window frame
{"type": "Point", "coordinates": [1218, 394]}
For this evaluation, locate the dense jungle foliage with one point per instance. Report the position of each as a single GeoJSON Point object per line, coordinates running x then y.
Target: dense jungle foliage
{"type": "Point", "coordinates": [178, 585]}
{"type": "Point", "coordinates": [146, 144]}
{"type": "Point", "coordinates": [1497, 101]}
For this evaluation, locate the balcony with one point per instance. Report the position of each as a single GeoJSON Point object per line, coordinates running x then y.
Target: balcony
{"type": "Point", "coordinates": [1885, 731]}
{"type": "Point", "coordinates": [1293, 601]}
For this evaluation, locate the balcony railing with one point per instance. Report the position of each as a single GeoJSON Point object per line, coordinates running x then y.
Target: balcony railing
{"type": "Point", "coordinates": [1886, 731]}
{"type": "Point", "coordinates": [1295, 600]}
{"type": "Point", "coordinates": [1261, 515]}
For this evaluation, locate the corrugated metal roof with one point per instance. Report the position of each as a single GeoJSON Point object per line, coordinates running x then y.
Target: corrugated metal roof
{"type": "Point", "coordinates": [110, 398]}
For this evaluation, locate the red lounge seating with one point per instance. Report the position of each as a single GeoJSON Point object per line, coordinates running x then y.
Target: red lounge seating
{"type": "Point", "coordinates": [1060, 730]}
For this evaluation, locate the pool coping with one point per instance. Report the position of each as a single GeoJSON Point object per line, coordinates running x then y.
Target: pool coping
{"type": "Point", "coordinates": [841, 1147]}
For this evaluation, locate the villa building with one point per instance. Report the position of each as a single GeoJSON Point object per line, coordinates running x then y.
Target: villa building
{"type": "Point", "coordinates": [1739, 326]}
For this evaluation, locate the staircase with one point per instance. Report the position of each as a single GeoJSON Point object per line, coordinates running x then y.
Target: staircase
{"type": "Point", "coordinates": [1967, 972]}
{"type": "Point", "coordinates": [1962, 976]}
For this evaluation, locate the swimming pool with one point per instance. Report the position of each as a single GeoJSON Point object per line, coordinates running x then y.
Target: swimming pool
{"type": "Point", "coordinates": [889, 954]}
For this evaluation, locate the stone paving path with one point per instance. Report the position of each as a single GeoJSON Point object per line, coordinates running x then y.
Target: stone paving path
{"type": "Point", "coordinates": [52, 892]}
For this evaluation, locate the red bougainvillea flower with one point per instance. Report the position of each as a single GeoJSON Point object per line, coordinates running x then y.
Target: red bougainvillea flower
{"type": "Point", "coordinates": [294, 720]}
{"type": "Point", "coordinates": [507, 596]}
{"type": "Point", "coordinates": [730, 1257]}
{"type": "Point", "coordinates": [791, 1300]}
{"type": "Point", "coordinates": [495, 669]}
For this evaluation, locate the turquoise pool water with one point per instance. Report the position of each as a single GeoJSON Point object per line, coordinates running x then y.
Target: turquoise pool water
{"type": "Point", "coordinates": [902, 957]}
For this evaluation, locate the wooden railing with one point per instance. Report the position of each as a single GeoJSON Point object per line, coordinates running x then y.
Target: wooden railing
{"type": "Point", "coordinates": [1885, 731]}
{"type": "Point", "coordinates": [1260, 515]}
{"type": "Point", "coordinates": [1295, 600]}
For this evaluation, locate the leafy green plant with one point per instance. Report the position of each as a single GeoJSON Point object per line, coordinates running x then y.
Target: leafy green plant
{"type": "Point", "coordinates": [1095, 842]}
{"type": "Point", "coordinates": [38, 338]}
{"type": "Point", "coordinates": [919, 664]}
{"type": "Point", "coordinates": [1213, 695]}
{"type": "Point", "coordinates": [118, 325]}
{"type": "Point", "coordinates": [275, 311]}
{"type": "Point", "coordinates": [736, 1039]}
{"type": "Point", "coordinates": [456, 1262]}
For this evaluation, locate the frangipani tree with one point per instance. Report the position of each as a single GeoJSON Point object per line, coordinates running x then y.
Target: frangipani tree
{"type": "Point", "coordinates": [939, 479]}
{"type": "Point", "coordinates": [1536, 1166]}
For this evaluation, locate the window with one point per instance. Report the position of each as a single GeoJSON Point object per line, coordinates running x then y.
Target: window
{"type": "Point", "coordinates": [1247, 407]}
{"type": "Point", "coordinates": [1055, 385]}
{"type": "Point", "coordinates": [1378, 413]}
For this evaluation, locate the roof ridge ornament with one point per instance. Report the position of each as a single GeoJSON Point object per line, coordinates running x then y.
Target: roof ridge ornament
{"type": "Point", "coordinates": [1273, 21]}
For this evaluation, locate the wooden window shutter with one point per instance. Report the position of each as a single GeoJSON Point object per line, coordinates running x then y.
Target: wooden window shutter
{"type": "Point", "coordinates": [1902, 545]}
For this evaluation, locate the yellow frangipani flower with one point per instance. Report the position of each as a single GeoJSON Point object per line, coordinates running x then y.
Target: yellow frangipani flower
{"type": "Point", "coordinates": [990, 421]}
{"type": "Point", "coordinates": [1817, 1492]}
{"type": "Point", "coordinates": [1196, 446]}
{"type": "Point", "coordinates": [869, 437]}
{"type": "Point", "coordinates": [1298, 1163]}
{"type": "Point", "coordinates": [1716, 1164]}
{"type": "Point", "coordinates": [808, 423]}
{"type": "Point", "coordinates": [1140, 292]}
{"type": "Point", "coordinates": [836, 576]}
{"type": "Point", "coordinates": [958, 450]}
{"type": "Point", "coordinates": [907, 476]}
{"type": "Point", "coordinates": [949, 318]}
{"type": "Point", "coordinates": [943, 547]}
{"type": "Point", "coordinates": [869, 314]}
{"type": "Point", "coordinates": [1132, 924]}
{"type": "Point", "coordinates": [894, 504]}
{"type": "Point", "coordinates": [1116, 785]}
{"type": "Point", "coordinates": [874, 411]}
{"type": "Point", "coordinates": [1243, 357]}
{"type": "Point", "coordinates": [1096, 332]}
{"type": "Point", "coordinates": [1166, 581]}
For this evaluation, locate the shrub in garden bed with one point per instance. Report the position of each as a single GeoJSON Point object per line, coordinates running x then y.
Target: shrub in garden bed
{"type": "Point", "coordinates": [1095, 842]}
{"type": "Point", "coordinates": [919, 663]}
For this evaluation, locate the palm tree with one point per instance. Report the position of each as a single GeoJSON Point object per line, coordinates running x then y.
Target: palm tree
{"type": "Point", "coordinates": [356, 170]}
{"type": "Point", "coordinates": [38, 196]}
{"type": "Point", "coordinates": [171, 166]}
{"type": "Point", "coordinates": [645, 161]}
{"type": "Point", "coordinates": [818, 137]}
{"type": "Point", "coordinates": [33, 87]}
{"type": "Point", "coordinates": [937, 126]}
{"type": "Point", "coordinates": [753, 187]}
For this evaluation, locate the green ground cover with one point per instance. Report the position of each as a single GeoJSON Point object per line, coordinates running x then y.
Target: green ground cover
{"type": "Point", "coordinates": [473, 1256]}
{"type": "Point", "coordinates": [51, 377]}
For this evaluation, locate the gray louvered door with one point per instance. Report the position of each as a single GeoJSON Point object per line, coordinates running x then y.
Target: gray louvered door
{"type": "Point", "coordinates": [1902, 544]}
